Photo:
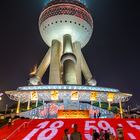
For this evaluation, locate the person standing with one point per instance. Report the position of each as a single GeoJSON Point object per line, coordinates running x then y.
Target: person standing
{"type": "Point", "coordinates": [112, 137]}
{"type": "Point", "coordinates": [106, 135]}
{"type": "Point", "coordinates": [9, 122]}
{"type": "Point", "coordinates": [75, 135]}
{"type": "Point", "coordinates": [120, 134]}
{"type": "Point", "coordinates": [66, 134]}
{"type": "Point", "coordinates": [95, 135]}
{"type": "Point", "coordinates": [101, 134]}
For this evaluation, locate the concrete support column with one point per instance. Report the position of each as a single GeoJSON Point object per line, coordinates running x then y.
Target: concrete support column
{"type": "Point", "coordinates": [69, 72]}
{"type": "Point", "coordinates": [18, 106]}
{"type": "Point", "coordinates": [55, 69]}
{"type": "Point", "coordinates": [68, 60]}
{"type": "Point", "coordinates": [86, 72]}
{"type": "Point", "coordinates": [36, 79]}
{"type": "Point", "coordinates": [77, 52]}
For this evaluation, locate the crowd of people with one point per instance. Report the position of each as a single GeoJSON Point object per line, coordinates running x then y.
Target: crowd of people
{"type": "Point", "coordinates": [102, 135]}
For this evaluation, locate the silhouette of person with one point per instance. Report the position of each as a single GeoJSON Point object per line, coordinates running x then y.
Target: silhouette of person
{"type": "Point", "coordinates": [9, 122]}
{"type": "Point", "coordinates": [106, 135]}
{"type": "Point", "coordinates": [66, 133]}
{"type": "Point", "coordinates": [101, 134]}
{"type": "Point", "coordinates": [112, 137]}
{"type": "Point", "coordinates": [95, 135]}
{"type": "Point", "coordinates": [94, 114]}
{"type": "Point", "coordinates": [75, 135]}
{"type": "Point", "coordinates": [99, 114]}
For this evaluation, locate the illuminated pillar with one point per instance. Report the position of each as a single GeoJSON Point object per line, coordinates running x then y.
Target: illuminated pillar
{"type": "Point", "coordinates": [55, 70]}
{"type": "Point", "coordinates": [77, 52]}
{"type": "Point", "coordinates": [28, 104]}
{"type": "Point", "coordinates": [37, 77]}
{"type": "Point", "coordinates": [36, 103]}
{"type": "Point", "coordinates": [109, 105]}
{"type": "Point", "coordinates": [18, 106]}
{"type": "Point", "coordinates": [91, 106]}
{"type": "Point", "coordinates": [68, 60]}
{"type": "Point", "coordinates": [43, 102]}
{"type": "Point", "coordinates": [121, 109]}
{"type": "Point", "coordinates": [100, 104]}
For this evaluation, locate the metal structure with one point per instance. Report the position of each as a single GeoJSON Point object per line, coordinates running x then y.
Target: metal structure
{"type": "Point", "coordinates": [66, 27]}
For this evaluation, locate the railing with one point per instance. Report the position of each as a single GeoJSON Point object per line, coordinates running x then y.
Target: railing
{"type": "Point", "coordinates": [25, 124]}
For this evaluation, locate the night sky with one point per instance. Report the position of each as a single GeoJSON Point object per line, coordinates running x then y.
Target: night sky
{"type": "Point", "coordinates": [113, 52]}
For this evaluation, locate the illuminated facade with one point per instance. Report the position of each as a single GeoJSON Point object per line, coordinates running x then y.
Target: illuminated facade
{"type": "Point", "coordinates": [66, 27]}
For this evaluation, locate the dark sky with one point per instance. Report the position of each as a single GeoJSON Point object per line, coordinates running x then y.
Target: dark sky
{"type": "Point", "coordinates": [113, 52]}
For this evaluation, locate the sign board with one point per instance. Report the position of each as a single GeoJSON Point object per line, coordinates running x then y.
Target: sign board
{"type": "Point", "coordinates": [54, 95]}
{"type": "Point", "coordinates": [74, 96]}
{"type": "Point", "coordinates": [34, 96]}
{"type": "Point", "coordinates": [64, 114]}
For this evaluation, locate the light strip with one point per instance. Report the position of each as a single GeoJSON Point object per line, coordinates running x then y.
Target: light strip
{"type": "Point", "coordinates": [67, 87]}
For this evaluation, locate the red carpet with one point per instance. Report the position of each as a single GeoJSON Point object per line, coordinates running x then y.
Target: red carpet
{"type": "Point", "coordinates": [54, 129]}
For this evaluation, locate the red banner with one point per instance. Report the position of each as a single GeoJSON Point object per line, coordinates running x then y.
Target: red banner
{"type": "Point", "coordinates": [65, 114]}
{"type": "Point", "coordinates": [54, 129]}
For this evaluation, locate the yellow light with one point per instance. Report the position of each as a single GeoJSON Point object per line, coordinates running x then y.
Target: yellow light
{"type": "Point", "coordinates": [18, 107]}
{"type": "Point", "coordinates": [34, 96]}
{"type": "Point", "coordinates": [110, 97]}
{"type": "Point", "coordinates": [28, 108]}
{"type": "Point", "coordinates": [64, 114]}
{"type": "Point", "coordinates": [28, 105]}
{"type": "Point", "coordinates": [74, 96]}
{"type": "Point", "coordinates": [93, 96]}
{"type": "Point", "coordinates": [54, 95]}
{"type": "Point", "coordinates": [17, 111]}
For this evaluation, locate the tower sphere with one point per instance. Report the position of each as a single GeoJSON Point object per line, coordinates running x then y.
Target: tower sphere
{"type": "Point", "coordinates": [61, 17]}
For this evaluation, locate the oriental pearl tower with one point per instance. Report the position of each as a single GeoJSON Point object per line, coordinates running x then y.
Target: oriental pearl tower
{"type": "Point", "coordinates": [66, 27]}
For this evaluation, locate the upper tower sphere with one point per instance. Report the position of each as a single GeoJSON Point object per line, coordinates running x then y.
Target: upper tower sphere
{"type": "Point", "coordinates": [61, 17]}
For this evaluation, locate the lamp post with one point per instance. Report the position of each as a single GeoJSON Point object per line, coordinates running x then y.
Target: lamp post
{"type": "Point", "coordinates": [121, 109]}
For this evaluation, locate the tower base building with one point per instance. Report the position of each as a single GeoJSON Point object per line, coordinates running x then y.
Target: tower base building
{"type": "Point", "coordinates": [66, 27]}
